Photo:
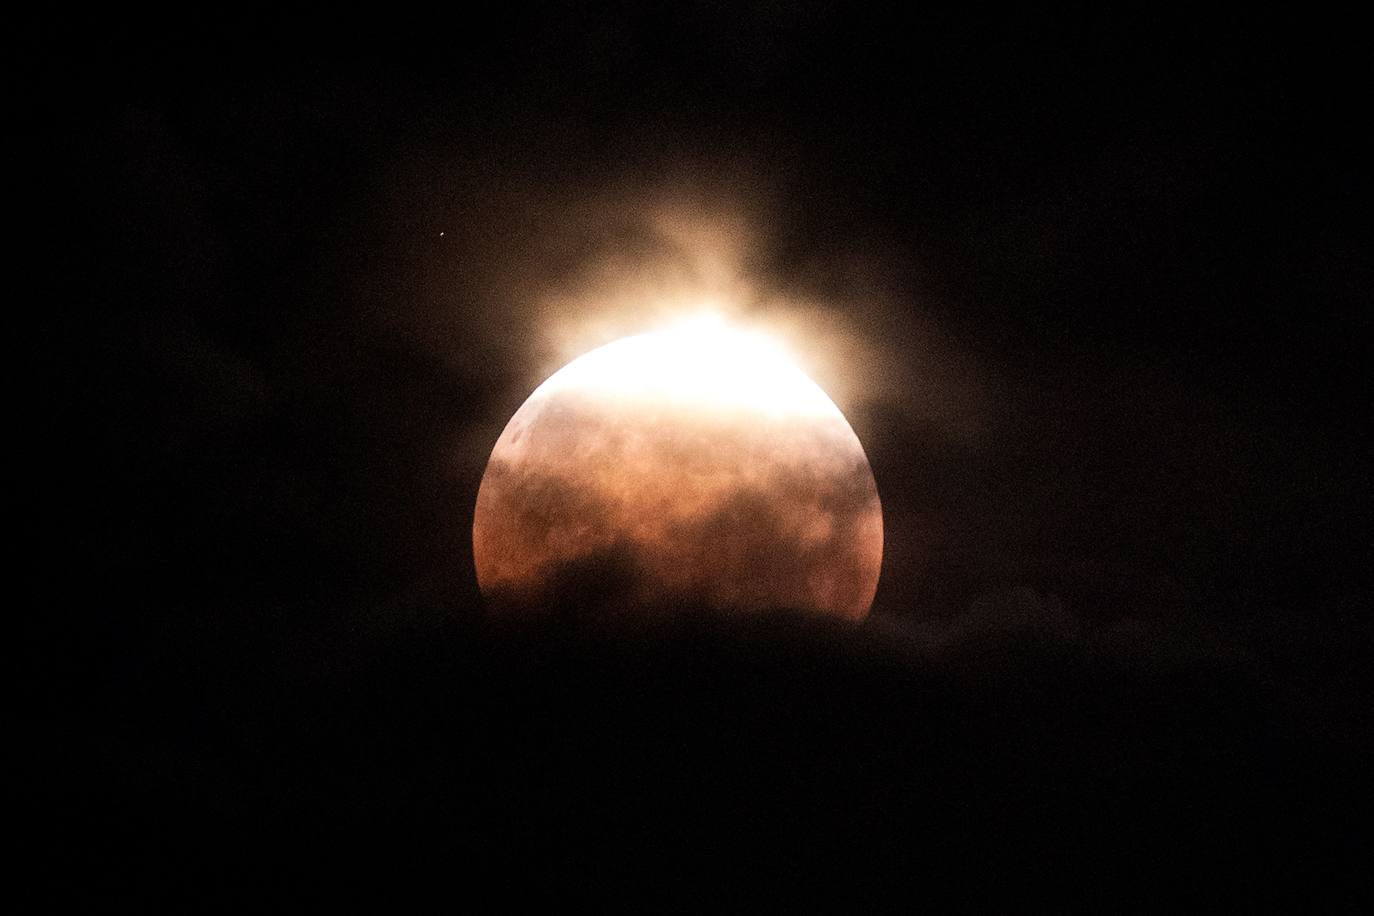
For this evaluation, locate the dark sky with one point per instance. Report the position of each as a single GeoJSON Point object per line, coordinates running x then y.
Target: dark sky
{"type": "Point", "coordinates": [1101, 293]}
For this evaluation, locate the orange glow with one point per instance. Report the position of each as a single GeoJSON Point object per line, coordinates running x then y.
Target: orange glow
{"type": "Point", "coordinates": [695, 462]}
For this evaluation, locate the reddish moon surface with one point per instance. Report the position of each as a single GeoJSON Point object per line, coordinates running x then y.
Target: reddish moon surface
{"type": "Point", "coordinates": [690, 466]}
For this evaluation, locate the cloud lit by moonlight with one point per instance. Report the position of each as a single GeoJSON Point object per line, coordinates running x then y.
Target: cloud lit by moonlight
{"type": "Point", "coordinates": [694, 463]}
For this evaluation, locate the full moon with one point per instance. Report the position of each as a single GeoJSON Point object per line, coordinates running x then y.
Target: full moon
{"type": "Point", "coordinates": [690, 466]}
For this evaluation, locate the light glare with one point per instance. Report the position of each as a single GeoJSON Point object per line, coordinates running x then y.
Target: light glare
{"type": "Point", "coordinates": [701, 361]}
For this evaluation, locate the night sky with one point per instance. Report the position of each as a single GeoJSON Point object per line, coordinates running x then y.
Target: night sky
{"type": "Point", "coordinates": [1092, 292]}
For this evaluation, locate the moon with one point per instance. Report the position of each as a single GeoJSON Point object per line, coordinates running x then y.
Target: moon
{"type": "Point", "coordinates": [693, 466]}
